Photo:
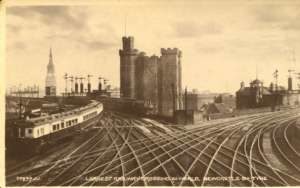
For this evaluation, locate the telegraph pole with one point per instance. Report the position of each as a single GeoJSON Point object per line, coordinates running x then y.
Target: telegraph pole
{"type": "Point", "coordinates": [71, 79]}
{"type": "Point", "coordinates": [186, 105]}
{"type": "Point", "coordinates": [81, 85]}
{"type": "Point", "coordinates": [275, 74]}
{"type": "Point", "coordinates": [66, 79]}
{"type": "Point", "coordinates": [76, 84]}
{"type": "Point", "coordinates": [89, 83]}
{"type": "Point", "coordinates": [100, 85]}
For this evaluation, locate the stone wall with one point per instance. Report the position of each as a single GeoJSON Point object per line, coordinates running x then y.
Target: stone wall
{"type": "Point", "coordinates": [291, 99]}
{"type": "Point", "coordinates": [170, 81]}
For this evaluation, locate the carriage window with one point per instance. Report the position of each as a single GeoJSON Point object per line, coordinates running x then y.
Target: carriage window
{"type": "Point", "coordinates": [29, 131]}
{"type": "Point", "coordinates": [62, 125]}
{"type": "Point", "coordinates": [54, 127]}
{"type": "Point", "coordinates": [21, 132]}
{"type": "Point", "coordinates": [42, 131]}
{"type": "Point", "coordinates": [38, 132]}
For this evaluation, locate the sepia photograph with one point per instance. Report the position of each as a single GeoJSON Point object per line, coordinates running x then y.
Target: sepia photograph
{"type": "Point", "coordinates": [151, 93]}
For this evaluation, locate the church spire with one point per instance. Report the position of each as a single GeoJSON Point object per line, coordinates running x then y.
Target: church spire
{"type": "Point", "coordinates": [50, 78]}
{"type": "Point", "coordinates": [50, 56]}
{"type": "Point", "coordinates": [50, 67]}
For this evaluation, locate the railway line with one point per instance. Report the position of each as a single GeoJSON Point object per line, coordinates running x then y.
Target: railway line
{"type": "Point", "coordinates": [131, 151]}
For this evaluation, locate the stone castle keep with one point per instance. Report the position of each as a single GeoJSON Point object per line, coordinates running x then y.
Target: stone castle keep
{"type": "Point", "coordinates": [155, 80]}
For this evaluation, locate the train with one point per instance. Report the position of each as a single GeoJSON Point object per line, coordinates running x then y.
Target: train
{"type": "Point", "coordinates": [35, 134]}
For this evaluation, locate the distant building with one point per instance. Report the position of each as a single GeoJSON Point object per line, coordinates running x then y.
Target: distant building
{"type": "Point", "coordinates": [50, 89]}
{"type": "Point", "coordinates": [254, 96]}
{"type": "Point", "coordinates": [196, 101]}
{"type": "Point", "coordinates": [154, 80]}
{"type": "Point", "coordinates": [215, 108]}
{"type": "Point", "coordinates": [227, 99]}
{"type": "Point", "coordinates": [257, 95]}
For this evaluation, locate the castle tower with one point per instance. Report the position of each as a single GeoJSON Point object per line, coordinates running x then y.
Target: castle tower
{"type": "Point", "coordinates": [50, 78]}
{"type": "Point", "coordinates": [170, 87]}
{"type": "Point", "coordinates": [128, 56]}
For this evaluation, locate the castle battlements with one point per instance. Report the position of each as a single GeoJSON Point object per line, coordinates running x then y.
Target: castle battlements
{"type": "Point", "coordinates": [128, 43]}
{"type": "Point", "coordinates": [170, 51]}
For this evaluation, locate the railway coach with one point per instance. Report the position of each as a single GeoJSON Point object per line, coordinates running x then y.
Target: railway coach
{"type": "Point", "coordinates": [34, 135]}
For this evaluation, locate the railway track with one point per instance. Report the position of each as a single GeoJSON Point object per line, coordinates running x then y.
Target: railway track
{"type": "Point", "coordinates": [131, 151]}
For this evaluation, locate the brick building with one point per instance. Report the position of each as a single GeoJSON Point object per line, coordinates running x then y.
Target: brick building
{"type": "Point", "coordinates": [227, 99]}
{"type": "Point", "coordinates": [196, 101]}
{"type": "Point", "coordinates": [258, 95]}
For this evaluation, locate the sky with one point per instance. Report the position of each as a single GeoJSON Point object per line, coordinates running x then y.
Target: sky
{"type": "Point", "coordinates": [222, 43]}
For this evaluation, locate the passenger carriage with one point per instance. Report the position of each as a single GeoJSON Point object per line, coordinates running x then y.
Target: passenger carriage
{"type": "Point", "coordinates": [33, 135]}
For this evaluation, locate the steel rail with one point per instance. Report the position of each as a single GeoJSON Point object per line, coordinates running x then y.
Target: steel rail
{"type": "Point", "coordinates": [168, 143]}
{"type": "Point", "coordinates": [135, 157]}
{"type": "Point", "coordinates": [66, 157]}
{"type": "Point", "coordinates": [117, 156]}
{"type": "Point", "coordinates": [74, 162]}
{"type": "Point", "coordinates": [157, 159]}
{"type": "Point", "coordinates": [184, 150]}
{"type": "Point", "coordinates": [257, 140]}
{"type": "Point", "coordinates": [98, 158]}
{"type": "Point", "coordinates": [280, 150]}
{"type": "Point", "coordinates": [169, 155]}
{"type": "Point", "coordinates": [287, 140]}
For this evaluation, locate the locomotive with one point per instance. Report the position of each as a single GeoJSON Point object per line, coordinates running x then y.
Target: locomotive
{"type": "Point", "coordinates": [35, 134]}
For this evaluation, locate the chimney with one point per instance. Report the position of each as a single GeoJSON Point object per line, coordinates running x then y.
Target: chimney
{"type": "Point", "coordinates": [290, 84]}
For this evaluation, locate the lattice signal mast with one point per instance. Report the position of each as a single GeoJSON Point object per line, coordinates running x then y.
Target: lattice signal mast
{"type": "Point", "coordinates": [100, 84]}
{"type": "Point", "coordinates": [76, 84]}
{"type": "Point", "coordinates": [72, 80]}
{"type": "Point", "coordinates": [275, 75]}
{"type": "Point", "coordinates": [66, 80]}
{"type": "Point", "coordinates": [89, 83]}
{"type": "Point", "coordinates": [81, 84]}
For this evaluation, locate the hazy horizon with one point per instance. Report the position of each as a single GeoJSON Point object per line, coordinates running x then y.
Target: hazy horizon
{"type": "Point", "coordinates": [222, 43]}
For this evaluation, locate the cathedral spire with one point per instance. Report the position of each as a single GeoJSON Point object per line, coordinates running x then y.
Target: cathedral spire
{"type": "Point", "coordinates": [50, 77]}
{"type": "Point", "coordinates": [50, 56]}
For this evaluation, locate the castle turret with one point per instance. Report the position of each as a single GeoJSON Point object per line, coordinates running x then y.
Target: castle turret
{"type": "Point", "coordinates": [128, 56]}
{"type": "Point", "coordinates": [170, 87]}
{"type": "Point", "coordinates": [50, 89]}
